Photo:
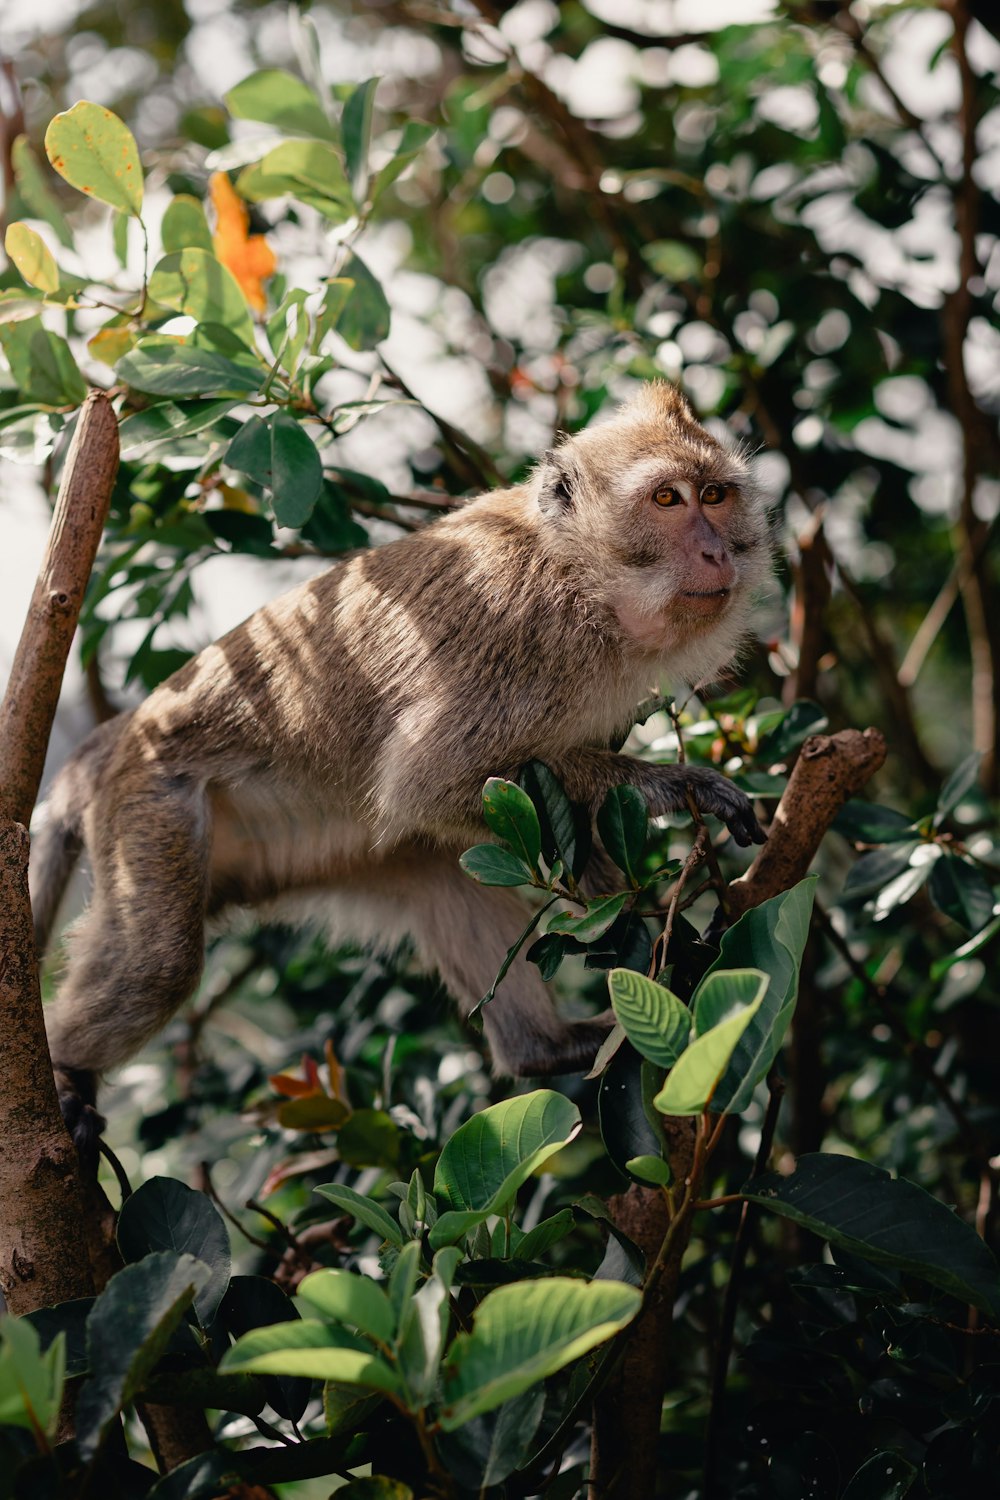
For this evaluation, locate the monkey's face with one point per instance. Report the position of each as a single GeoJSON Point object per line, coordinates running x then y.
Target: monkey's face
{"type": "Point", "coordinates": [668, 526]}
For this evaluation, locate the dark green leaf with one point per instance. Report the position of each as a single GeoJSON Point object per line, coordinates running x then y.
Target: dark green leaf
{"type": "Point", "coordinates": [41, 363]}
{"type": "Point", "coordinates": [594, 922]}
{"type": "Point", "coordinates": [624, 1102]}
{"type": "Point", "coordinates": [887, 1220]}
{"type": "Point", "coordinates": [356, 134]}
{"type": "Point", "coordinates": [511, 815]}
{"type": "Point", "coordinates": [959, 890]}
{"type": "Point", "coordinates": [884, 1476]}
{"type": "Point", "coordinates": [959, 784]}
{"type": "Point", "coordinates": [874, 871]}
{"type": "Point", "coordinates": [363, 321]}
{"type": "Point", "coordinates": [491, 865]}
{"type": "Point", "coordinates": [802, 719]}
{"type": "Point", "coordinates": [257, 1302]}
{"type": "Point", "coordinates": [170, 369]}
{"type": "Point", "coordinates": [296, 470]}
{"type": "Point", "coordinates": [164, 1214]}
{"type": "Point", "coordinates": [128, 1330]}
{"type": "Point", "coordinates": [565, 826]}
{"type": "Point", "coordinates": [867, 823]}
{"type": "Point", "coordinates": [621, 824]}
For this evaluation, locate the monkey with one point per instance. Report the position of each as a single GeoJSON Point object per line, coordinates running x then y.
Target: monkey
{"type": "Point", "coordinates": [331, 750]}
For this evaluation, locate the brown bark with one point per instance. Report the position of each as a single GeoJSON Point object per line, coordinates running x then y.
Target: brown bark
{"type": "Point", "coordinates": [43, 1257]}
{"type": "Point", "coordinates": [830, 769]}
{"type": "Point", "coordinates": [29, 703]}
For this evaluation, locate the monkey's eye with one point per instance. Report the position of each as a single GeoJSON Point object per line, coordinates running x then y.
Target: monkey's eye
{"type": "Point", "coordinates": [666, 495]}
{"type": "Point", "coordinates": [713, 494]}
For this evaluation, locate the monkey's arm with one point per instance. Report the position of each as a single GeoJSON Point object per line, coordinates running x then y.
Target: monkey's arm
{"type": "Point", "coordinates": [589, 774]}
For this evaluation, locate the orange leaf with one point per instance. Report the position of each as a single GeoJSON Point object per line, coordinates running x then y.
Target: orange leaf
{"type": "Point", "coordinates": [248, 256]}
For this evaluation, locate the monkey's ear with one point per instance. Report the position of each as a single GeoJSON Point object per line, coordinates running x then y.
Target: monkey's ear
{"type": "Point", "coordinates": [556, 482]}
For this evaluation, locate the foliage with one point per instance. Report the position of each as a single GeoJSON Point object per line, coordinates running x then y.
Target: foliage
{"type": "Point", "coordinates": [763, 211]}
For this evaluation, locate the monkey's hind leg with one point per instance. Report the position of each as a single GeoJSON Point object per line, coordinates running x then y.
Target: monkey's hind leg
{"type": "Point", "coordinates": [464, 932]}
{"type": "Point", "coordinates": [138, 950]}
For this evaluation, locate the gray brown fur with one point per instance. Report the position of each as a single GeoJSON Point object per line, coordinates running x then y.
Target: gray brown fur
{"type": "Point", "coordinates": [330, 752]}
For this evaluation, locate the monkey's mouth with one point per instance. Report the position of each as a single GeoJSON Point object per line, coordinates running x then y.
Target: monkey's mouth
{"type": "Point", "coordinates": [707, 601]}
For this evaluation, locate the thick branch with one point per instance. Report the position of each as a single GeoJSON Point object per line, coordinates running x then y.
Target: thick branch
{"type": "Point", "coordinates": [29, 704]}
{"type": "Point", "coordinates": [831, 769]}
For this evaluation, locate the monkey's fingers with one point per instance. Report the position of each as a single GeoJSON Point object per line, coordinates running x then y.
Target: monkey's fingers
{"type": "Point", "coordinates": [716, 795]}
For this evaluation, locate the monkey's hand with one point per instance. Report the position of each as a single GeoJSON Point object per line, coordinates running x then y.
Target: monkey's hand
{"type": "Point", "coordinates": [589, 774]}
{"type": "Point", "coordinates": [77, 1093]}
{"type": "Point", "coordinates": [715, 794]}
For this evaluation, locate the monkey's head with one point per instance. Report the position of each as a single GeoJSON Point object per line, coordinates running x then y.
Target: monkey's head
{"type": "Point", "coordinates": [666, 526]}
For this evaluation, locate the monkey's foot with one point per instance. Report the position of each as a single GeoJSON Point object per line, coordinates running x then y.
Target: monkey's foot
{"type": "Point", "coordinates": [572, 1052]}
{"type": "Point", "coordinates": [77, 1093]}
{"type": "Point", "coordinates": [714, 793]}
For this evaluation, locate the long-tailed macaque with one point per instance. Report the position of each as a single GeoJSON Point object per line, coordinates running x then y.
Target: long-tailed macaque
{"type": "Point", "coordinates": [334, 747]}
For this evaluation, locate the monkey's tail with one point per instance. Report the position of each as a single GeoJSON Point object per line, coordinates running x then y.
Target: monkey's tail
{"type": "Point", "coordinates": [57, 828]}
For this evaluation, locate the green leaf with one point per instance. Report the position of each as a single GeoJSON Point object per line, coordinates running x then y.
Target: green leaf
{"type": "Point", "coordinates": [17, 305]}
{"type": "Point", "coordinates": [375, 1487]}
{"type": "Point", "coordinates": [279, 98]}
{"type": "Point", "coordinates": [341, 1296]}
{"type": "Point", "coordinates": [651, 1169]}
{"type": "Point", "coordinates": [959, 890]}
{"type": "Point", "coordinates": [412, 141]}
{"type": "Point", "coordinates": [97, 154]}
{"type": "Point", "coordinates": [594, 922]}
{"type": "Point", "coordinates": [297, 471]}
{"type": "Point", "coordinates": [32, 257]}
{"type": "Point", "coordinates": [630, 1125]}
{"type": "Point", "coordinates": [884, 1476]}
{"type": "Point", "coordinates": [165, 424]}
{"type": "Point", "coordinates": [365, 317]}
{"type": "Point", "coordinates": [722, 993]}
{"type": "Point", "coordinates": [356, 134]}
{"type": "Point", "coordinates": [534, 1244]}
{"type": "Point", "coordinates": [621, 824]}
{"type": "Point", "coordinates": [193, 282]}
{"type": "Point", "coordinates": [31, 1383]}
{"type": "Point", "coordinates": [878, 869]}
{"type": "Point", "coordinates": [164, 1214]}
{"type": "Point", "coordinates": [184, 226]}
{"type": "Point", "coordinates": [490, 1156]}
{"type": "Point", "coordinates": [40, 361]}
{"type": "Point", "coordinates": [128, 1330]}
{"type": "Point", "coordinates": [309, 170]}
{"type": "Point", "coordinates": [493, 866]}
{"type": "Point", "coordinates": [656, 1023]}
{"type": "Point", "coordinates": [68, 1320]}
{"type": "Point", "coordinates": [315, 1350]}
{"type": "Point", "coordinates": [771, 938]}
{"type": "Point", "coordinates": [693, 1079]}
{"type": "Point", "coordinates": [968, 950]}
{"type": "Point", "coordinates": [256, 1302]}
{"type": "Point", "coordinates": [860, 1208]}
{"type": "Point", "coordinates": [523, 1333]}
{"type": "Point", "coordinates": [802, 719]}
{"type": "Point", "coordinates": [423, 1327]}
{"type": "Point", "coordinates": [510, 813]}
{"type": "Point", "coordinates": [565, 827]}
{"type": "Point", "coordinates": [867, 823]}
{"type": "Point", "coordinates": [959, 785]}
{"type": "Point", "coordinates": [35, 193]}
{"type": "Point", "coordinates": [171, 369]}
{"type": "Point", "coordinates": [672, 259]}
{"type": "Point", "coordinates": [365, 1210]}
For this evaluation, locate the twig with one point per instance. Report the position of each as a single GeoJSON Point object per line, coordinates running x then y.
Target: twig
{"type": "Point", "coordinates": [695, 855]}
